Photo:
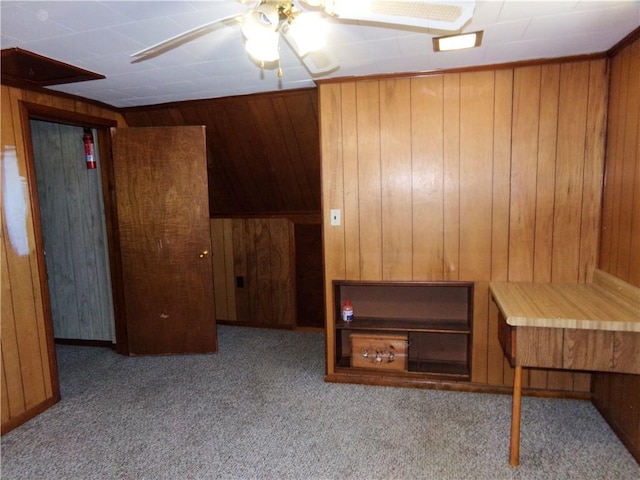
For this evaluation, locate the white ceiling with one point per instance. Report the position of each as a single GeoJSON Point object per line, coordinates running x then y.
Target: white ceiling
{"type": "Point", "coordinates": [100, 36]}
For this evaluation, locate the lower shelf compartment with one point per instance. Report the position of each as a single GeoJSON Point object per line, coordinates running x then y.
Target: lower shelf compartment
{"type": "Point", "coordinates": [454, 370]}
{"type": "Point", "coordinates": [441, 368]}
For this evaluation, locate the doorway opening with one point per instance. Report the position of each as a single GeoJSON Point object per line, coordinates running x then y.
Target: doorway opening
{"type": "Point", "coordinates": [74, 233]}
{"type": "Point", "coordinates": [62, 120]}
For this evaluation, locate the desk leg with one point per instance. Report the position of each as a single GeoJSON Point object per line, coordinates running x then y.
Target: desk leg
{"type": "Point", "coordinates": [514, 448]}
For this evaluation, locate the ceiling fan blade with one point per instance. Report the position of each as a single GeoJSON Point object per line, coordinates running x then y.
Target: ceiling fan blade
{"type": "Point", "coordinates": [435, 14]}
{"type": "Point", "coordinates": [184, 37]}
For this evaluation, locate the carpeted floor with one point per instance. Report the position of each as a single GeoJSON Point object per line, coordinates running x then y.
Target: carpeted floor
{"type": "Point", "coordinates": [259, 409]}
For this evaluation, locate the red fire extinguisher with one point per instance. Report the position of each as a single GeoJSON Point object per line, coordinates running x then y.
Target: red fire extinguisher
{"type": "Point", "coordinates": [87, 138]}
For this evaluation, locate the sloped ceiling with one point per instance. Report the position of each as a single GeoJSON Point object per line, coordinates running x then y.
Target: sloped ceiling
{"type": "Point", "coordinates": [263, 150]}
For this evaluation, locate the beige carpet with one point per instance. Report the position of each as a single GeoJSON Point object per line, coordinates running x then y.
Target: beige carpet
{"type": "Point", "coordinates": [260, 409]}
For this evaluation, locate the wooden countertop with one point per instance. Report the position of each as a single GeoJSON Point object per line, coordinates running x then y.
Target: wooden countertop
{"type": "Point", "coordinates": [606, 304]}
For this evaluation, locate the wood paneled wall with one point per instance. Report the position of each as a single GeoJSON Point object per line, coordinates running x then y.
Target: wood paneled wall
{"type": "Point", "coordinates": [620, 241]}
{"type": "Point", "coordinates": [258, 252]}
{"type": "Point", "coordinates": [263, 149]}
{"type": "Point", "coordinates": [477, 176]}
{"type": "Point", "coordinates": [29, 376]}
{"type": "Point", "coordinates": [618, 396]}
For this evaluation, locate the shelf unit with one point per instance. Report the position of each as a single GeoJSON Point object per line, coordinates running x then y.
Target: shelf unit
{"type": "Point", "coordinates": [435, 318]}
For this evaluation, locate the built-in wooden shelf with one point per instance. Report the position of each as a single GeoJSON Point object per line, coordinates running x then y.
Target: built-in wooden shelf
{"type": "Point", "coordinates": [25, 69]}
{"type": "Point", "coordinates": [434, 319]}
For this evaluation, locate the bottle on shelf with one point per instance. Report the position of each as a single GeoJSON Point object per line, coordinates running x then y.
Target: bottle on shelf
{"type": "Point", "coordinates": [347, 312]}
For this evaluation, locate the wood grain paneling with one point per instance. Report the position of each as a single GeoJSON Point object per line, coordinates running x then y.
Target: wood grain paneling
{"type": "Point", "coordinates": [524, 172]}
{"type": "Point", "coordinates": [263, 149]}
{"type": "Point", "coordinates": [309, 285]}
{"type": "Point", "coordinates": [223, 273]}
{"type": "Point", "coordinates": [620, 240]}
{"type": "Point", "coordinates": [254, 271]}
{"type": "Point", "coordinates": [498, 179]}
{"type": "Point", "coordinates": [333, 241]}
{"type": "Point", "coordinates": [29, 376]}
{"type": "Point", "coordinates": [351, 184]}
{"type": "Point", "coordinates": [427, 178]}
{"type": "Point", "coordinates": [165, 239]}
{"type": "Point", "coordinates": [395, 171]}
{"type": "Point", "coordinates": [368, 204]}
{"type": "Point", "coordinates": [451, 175]}
{"type": "Point", "coordinates": [617, 397]}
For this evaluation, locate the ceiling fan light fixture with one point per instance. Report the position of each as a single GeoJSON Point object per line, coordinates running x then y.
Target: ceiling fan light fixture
{"type": "Point", "coordinates": [457, 42]}
{"type": "Point", "coordinates": [308, 31]}
{"type": "Point", "coordinates": [263, 47]}
{"type": "Point", "coordinates": [260, 20]}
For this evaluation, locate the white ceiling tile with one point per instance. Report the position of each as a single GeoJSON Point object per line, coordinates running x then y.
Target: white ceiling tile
{"type": "Point", "coordinates": [205, 12]}
{"type": "Point", "coordinates": [530, 49]}
{"type": "Point", "coordinates": [374, 32]}
{"type": "Point", "coordinates": [17, 21]}
{"type": "Point", "coordinates": [605, 4]}
{"type": "Point", "coordinates": [503, 31]}
{"type": "Point", "coordinates": [415, 44]}
{"type": "Point", "coordinates": [384, 48]}
{"type": "Point", "coordinates": [516, 9]}
{"type": "Point", "coordinates": [341, 33]}
{"type": "Point", "coordinates": [143, 9]}
{"type": "Point", "coordinates": [77, 46]}
{"type": "Point", "coordinates": [356, 53]}
{"type": "Point", "coordinates": [149, 32]}
{"type": "Point", "coordinates": [582, 21]}
{"type": "Point", "coordinates": [486, 11]}
{"type": "Point", "coordinates": [79, 16]}
{"type": "Point", "coordinates": [101, 35]}
{"type": "Point", "coordinates": [455, 59]}
{"type": "Point", "coordinates": [405, 64]}
{"type": "Point", "coordinates": [114, 63]}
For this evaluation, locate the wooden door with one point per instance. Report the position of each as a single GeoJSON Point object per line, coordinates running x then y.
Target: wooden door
{"type": "Point", "coordinates": [163, 221]}
{"type": "Point", "coordinates": [74, 233]}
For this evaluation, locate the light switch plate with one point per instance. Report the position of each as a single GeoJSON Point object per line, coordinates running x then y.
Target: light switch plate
{"type": "Point", "coordinates": [335, 217]}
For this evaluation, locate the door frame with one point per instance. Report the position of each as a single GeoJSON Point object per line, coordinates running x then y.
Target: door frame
{"type": "Point", "coordinates": [32, 111]}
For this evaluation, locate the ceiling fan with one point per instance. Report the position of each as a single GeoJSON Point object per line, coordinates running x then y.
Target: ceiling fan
{"type": "Point", "coordinates": [302, 24]}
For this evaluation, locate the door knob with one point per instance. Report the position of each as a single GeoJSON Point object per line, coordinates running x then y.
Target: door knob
{"type": "Point", "coordinates": [205, 253]}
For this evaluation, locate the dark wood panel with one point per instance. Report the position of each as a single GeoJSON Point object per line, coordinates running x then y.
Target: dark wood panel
{"type": "Point", "coordinates": [264, 272]}
{"type": "Point", "coordinates": [617, 397]}
{"type": "Point", "coordinates": [309, 280]}
{"type": "Point", "coordinates": [165, 239]}
{"type": "Point", "coordinates": [263, 150]}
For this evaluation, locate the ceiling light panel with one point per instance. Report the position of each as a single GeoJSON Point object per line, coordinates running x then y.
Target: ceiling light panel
{"type": "Point", "coordinates": [457, 42]}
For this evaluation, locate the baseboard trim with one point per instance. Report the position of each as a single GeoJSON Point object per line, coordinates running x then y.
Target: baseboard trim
{"type": "Point", "coordinates": [434, 384]}
{"type": "Point", "coordinates": [85, 343]}
{"type": "Point", "coordinates": [29, 414]}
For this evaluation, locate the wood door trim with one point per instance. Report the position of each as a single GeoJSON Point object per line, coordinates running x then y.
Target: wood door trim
{"type": "Point", "coordinates": [29, 111]}
{"type": "Point", "coordinates": [52, 114]}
